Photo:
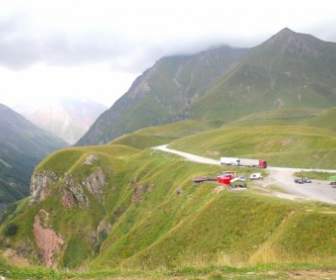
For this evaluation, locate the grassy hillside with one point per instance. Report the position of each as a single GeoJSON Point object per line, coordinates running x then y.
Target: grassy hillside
{"type": "Point", "coordinates": [325, 119]}
{"type": "Point", "coordinates": [281, 145]}
{"type": "Point", "coordinates": [158, 135]}
{"type": "Point", "coordinates": [148, 214]}
{"type": "Point", "coordinates": [297, 116]}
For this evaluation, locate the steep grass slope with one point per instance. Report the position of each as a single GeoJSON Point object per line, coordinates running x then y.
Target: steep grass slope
{"type": "Point", "coordinates": [115, 206]}
{"type": "Point", "coordinates": [280, 145]}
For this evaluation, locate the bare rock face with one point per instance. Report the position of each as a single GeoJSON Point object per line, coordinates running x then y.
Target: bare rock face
{"type": "Point", "coordinates": [95, 182]}
{"type": "Point", "coordinates": [91, 159]}
{"type": "Point", "coordinates": [40, 185]}
{"type": "Point", "coordinates": [73, 193]}
{"type": "Point", "coordinates": [139, 191]}
{"type": "Point", "coordinates": [68, 199]}
{"type": "Point", "coordinates": [47, 240]}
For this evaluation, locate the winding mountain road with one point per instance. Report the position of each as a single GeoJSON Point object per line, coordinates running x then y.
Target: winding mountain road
{"type": "Point", "coordinates": [280, 176]}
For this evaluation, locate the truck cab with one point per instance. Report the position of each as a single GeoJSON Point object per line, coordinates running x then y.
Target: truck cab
{"type": "Point", "coordinates": [262, 163]}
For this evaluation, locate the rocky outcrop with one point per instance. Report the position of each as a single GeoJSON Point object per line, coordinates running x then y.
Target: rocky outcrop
{"type": "Point", "coordinates": [68, 199]}
{"type": "Point", "coordinates": [73, 193]}
{"type": "Point", "coordinates": [95, 182]}
{"type": "Point", "coordinates": [40, 185]}
{"type": "Point", "coordinates": [139, 191]}
{"type": "Point", "coordinates": [90, 159]}
{"type": "Point", "coordinates": [47, 240]}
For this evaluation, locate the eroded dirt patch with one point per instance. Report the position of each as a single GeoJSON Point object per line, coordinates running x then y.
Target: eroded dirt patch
{"type": "Point", "coordinates": [47, 240]}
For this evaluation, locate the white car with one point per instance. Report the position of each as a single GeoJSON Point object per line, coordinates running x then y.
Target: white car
{"type": "Point", "coordinates": [256, 176]}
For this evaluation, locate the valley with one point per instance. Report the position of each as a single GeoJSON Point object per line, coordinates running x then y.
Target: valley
{"type": "Point", "coordinates": [122, 203]}
{"type": "Point", "coordinates": [22, 146]}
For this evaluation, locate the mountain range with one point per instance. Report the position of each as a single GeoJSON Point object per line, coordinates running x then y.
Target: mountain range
{"type": "Point", "coordinates": [289, 70]}
{"type": "Point", "coordinates": [125, 206]}
{"type": "Point", "coordinates": [68, 119]}
{"type": "Point", "coordinates": [164, 93]}
{"type": "Point", "coordinates": [22, 146]}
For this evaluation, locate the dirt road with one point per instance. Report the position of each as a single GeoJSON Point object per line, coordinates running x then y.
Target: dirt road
{"type": "Point", "coordinates": [280, 176]}
{"type": "Point", "coordinates": [187, 156]}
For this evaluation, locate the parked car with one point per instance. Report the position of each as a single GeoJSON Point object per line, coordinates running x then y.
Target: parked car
{"type": "Point", "coordinates": [256, 176]}
{"type": "Point", "coordinates": [306, 180]}
{"type": "Point", "coordinates": [299, 181]}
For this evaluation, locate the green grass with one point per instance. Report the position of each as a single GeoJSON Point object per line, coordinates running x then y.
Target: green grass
{"type": "Point", "coordinates": [158, 135]}
{"type": "Point", "coordinates": [61, 161]}
{"type": "Point", "coordinates": [77, 250]}
{"type": "Point", "coordinates": [325, 119]}
{"type": "Point", "coordinates": [280, 145]}
{"type": "Point", "coordinates": [281, 116]}
{"type": "Point", "coordinates": [157, 219]}
{"type": "Point", "coordinates": [260, 272]}
{"type": "Point", "coordinates": [163, 228]}
{"type": "Point", "coordinates": [315, 175]}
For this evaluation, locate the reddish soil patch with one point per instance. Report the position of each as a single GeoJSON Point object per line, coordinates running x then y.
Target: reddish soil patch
{"type": "Point", "coordinates": [47, 240]}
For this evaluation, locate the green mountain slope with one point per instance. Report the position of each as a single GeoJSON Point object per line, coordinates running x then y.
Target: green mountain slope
{"type": "Point", "coordinates": [163, 93]}
{"type": "Point", "coordinates": [22, 146]}
{"type": "Point", "coordinates": [287, 72]}
{"type": "Point", "coordinates": [290, 70]}
{"type": "Point", "coordinates": [116, 206]}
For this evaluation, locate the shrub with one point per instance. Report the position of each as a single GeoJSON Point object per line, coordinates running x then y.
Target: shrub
{"type": "Point", "coordinates": [11, 229]}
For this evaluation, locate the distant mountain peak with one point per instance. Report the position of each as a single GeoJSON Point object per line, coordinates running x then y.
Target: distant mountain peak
{"type": "Point", "coordinates": [286, 31]}
{"type": "Point", "coordinates": [284, 36]}
{"type": "Point", "coordinates": [289, 41]}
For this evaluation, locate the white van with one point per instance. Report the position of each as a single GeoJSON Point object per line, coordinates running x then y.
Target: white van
{"type": "Point", "coordinates": [256, 176]}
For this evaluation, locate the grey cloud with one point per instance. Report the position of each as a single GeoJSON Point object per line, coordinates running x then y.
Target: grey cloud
{"type": "Point", "coordinates": [21, 47]}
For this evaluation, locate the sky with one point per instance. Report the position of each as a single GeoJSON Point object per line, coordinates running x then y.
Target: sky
{"type": "Point", "coordinates": [93, 50]}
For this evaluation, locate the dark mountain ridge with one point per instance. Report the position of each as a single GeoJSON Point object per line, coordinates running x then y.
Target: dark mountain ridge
{"type": "Point", "coordinates": [22, 146]}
